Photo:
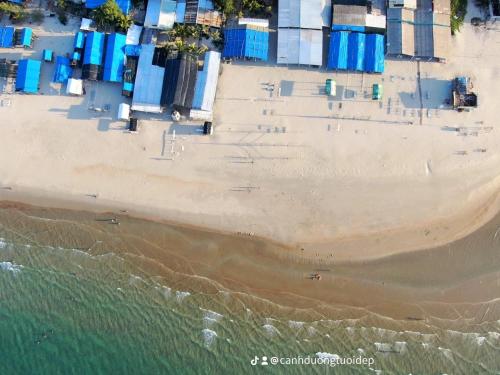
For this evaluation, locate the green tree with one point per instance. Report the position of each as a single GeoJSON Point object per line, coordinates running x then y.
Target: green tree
{"type": "Point", "coordinates": [110, 14]}
{"type": "Point", "coordinates": [225, 6]}
{"type": "Point", "coordinates": [458, 12]}
{"type": "Point", "coordinates": [15, 12]}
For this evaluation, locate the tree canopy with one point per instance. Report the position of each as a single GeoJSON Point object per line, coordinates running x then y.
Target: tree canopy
{"type": "Point", "coordinates": [110, 14]}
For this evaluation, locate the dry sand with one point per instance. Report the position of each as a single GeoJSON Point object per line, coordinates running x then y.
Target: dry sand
{"type": "Point", "coordinates": [362, 181]}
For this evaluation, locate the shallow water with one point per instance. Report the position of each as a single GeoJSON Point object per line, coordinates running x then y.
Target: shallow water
{"type": "Point", "coordinates": [83, 296]}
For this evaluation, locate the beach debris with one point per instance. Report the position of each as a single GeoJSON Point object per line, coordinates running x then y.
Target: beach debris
{"type": "Point", "coordinates": [315, 276]}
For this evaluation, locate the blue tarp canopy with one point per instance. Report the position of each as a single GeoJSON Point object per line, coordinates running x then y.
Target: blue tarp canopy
{"type": "Point", "coordinates": [337, 54]}
{"type": "Point", "coordinates": [63, 70]}
{"type": "Point", "coordinates": [79, 40]}
{"type": "Point", "coordinates": [94, 48]}
{"type": "Point", "coordinates": [128, 86]}
{"type": "Point", "coordinates": [26, 35]}
{"type": "Point", "coordinates": [6, 36]}
{"type": "Point", "coordinates": [356, 51]}
{"type": "Point", "coordinates": [374, 53]}
{"type": "Point", "coordinates": [124, 5]}
{"type": "Point", "coordinates": [132, 50]}
{"type": "Point", "coordinates": [246, 42]}
{"type": "Point", "coordinates": [115, 56]}
{"type": "Point", "coordinates": [180, 11]}
{"type": "Point", "coordinates": [47, 55]}
{"type": "Point", "coordinates": [28, 75]}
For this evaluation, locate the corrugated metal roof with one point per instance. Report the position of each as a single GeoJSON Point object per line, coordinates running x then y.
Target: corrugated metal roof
{"type": "Point", "coordinates": [94, 48]}
{"type": "Point", "coordinates": [356, 51]}
{"type": "Point", "coordinates": [79, 40]}
{"type": "Point", "coordinates": [300, 46]}
{"type": "Point", "coordinates": [206, 82]}
{"type": "Point", "coordinates": [148, 82]}
{"type": "Point", "coordinates": [26, 36]}
{"type": "Point", "coordinates": [306, 14]}
{"type": "Point", "coordinates": [246, 42]}
{"type": "Point", "coordinates": [374, 53]}
{"type": "Point", "coordinates": [160, 14]}
{"type": "Point", "coordinates": [338, 52]}
{"type": "Point", "coordinates": [6, 36]}
{"type": "Point", "coordinates": [114, 59]}
{"type": "Point", "coordinates": [28, 75]}
{"type": "Point", "coordinates": [63, 70]}
{"type": "Point", "coordinates": [419, 33]}
{"type": "Point", "coordinates": [354, 15]}
{"type": "Point", "coordinates": [134, 35]}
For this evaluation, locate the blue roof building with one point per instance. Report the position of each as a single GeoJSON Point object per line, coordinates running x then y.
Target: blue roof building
{"type": "Point", "coordinates": [94, 49]}
{"type": "Point", "coordinates": [6, 36]}
{"type": "Point", "coordinates": [115, 56]}
{"type": "Point", "coordinates": [124, 5]}
{"type": "Point", "coordinates": [356, 51]}
{"type": "Point", "coordinates": [246, 42]}
{"type": "Point", "coordinates": [26, 37]}
{"type": "Point", "coordinates": [28, 75]}
{"type": "Point", "coordinates": [79, 40]}
{"type": "Point", "coordinates": [63, 70]}
{"type": "Point", "coordinates": [48, 55]}
{"type": "Point", "coordinates": [337, 54]}
{"type": "Point", "coordinates": [374, 53]}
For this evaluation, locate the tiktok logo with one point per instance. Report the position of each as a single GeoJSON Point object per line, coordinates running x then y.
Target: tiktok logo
{"type": "Point", "coordinates": [255, 361]}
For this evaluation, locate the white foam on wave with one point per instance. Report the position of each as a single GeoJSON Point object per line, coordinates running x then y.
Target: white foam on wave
{"type": "Point", "coordinates": [361, 351]}
{"type": "Point", "coordinates": [166, 291]}
{"type": "Point", "coordinates": [350, 330]}
{"type": "Point", "coordinates": [210, 317]}
{"type": "Point", "coordinates": [11, 267]}
{"type": "Point", "coordinates": [3, 244]}
{"type": "Point", "coordinates": [446, 352]}
{"type": "Point", "coordinates": [295, 324]}
{"type": "Point", "coordinates": [383, 347]}
{"type": "Point", "coordinates": [327, 356]}
{"type": "Point", "coordinates": [400, 346]}
{"type": "Point", "coordinates": [180, 295]}
{"type": "Point", "coordinates": [480, 340]}
{"type": "Point", "coordinates": [494, 335]}
{"type": "Point", "coordinates": [134, 280]}
{"type": "Point", "coordinates": [271, 330]}
{"type": "Point", "coordinates": [209, 336]}
{"type": "Point", "coordinates": [311, 331]}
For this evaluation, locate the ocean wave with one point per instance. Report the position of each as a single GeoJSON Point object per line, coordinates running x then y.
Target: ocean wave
{"type": "Point", "coordinates": [11, 267]}
{"type": "Point", "coordinates": [494, 335]}
{"type": "Point", "coordinates": [180, 295]}
{"type": "Point", "coordinates": [210, 317]}
{"type": "Point", "coordinates": [134, 280]}
{"type": "Point", "coordinates": [446, 352]}
{"type": "Point", "coordinates": [209, 336]}
{"type": "Point", "coordinates": [295, 324]}
{"type": "Point", "coordinates": [271, 330]}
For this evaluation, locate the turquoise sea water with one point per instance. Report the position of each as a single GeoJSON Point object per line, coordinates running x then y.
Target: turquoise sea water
{"type": "Point", "coordinates": [65, 310]}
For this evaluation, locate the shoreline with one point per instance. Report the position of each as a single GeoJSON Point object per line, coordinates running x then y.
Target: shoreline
{"type": "Point", "coordinates": [360, 248]}
{"type": "Point", "coordinates": [403, 287]}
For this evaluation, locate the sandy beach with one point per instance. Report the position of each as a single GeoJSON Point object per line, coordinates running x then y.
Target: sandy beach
{"type": "Point", "coordinates": [348, 176]}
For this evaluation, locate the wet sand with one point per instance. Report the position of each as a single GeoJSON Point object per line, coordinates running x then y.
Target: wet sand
{"type": "Point", "coordinates": [458, 280]}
